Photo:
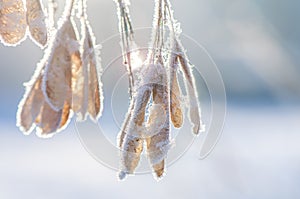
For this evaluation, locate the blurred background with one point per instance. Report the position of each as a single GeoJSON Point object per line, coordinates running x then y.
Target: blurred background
{"type": "Point", "coordinates": [256, 46]}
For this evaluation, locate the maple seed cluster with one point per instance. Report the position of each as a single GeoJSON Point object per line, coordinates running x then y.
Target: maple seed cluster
{"type": "Point", "coordinates": [67, 79]}
{"type": "Point", "coordinates": [156, 91]}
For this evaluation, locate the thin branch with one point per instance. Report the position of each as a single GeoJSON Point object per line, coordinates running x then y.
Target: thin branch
{"type": "Point", "coordinates": [127, 37]}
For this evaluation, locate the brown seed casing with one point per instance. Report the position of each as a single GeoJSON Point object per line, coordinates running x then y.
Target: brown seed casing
{"type": "Point", "coordinates": [58, 73]}
{"type": "Point", "coordinates": [13, 24]}
{"type": "Point", "coordinates": [175, 94]}
{"type": "Point", "coordinates": [36, 22]}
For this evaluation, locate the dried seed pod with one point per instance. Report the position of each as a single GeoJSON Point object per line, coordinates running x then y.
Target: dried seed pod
{"type": "Point", "coordinates": [86, 85]}
{"type": "Point", "coordinates": [175, 95]}
{"type": "Point", "coordinates": [158, 143]}
{"type": "Point", "coordinates": [77, 82]}
{"type": "Point", "coordinates": [63, 55]}
{"type": "Point", "coordinates": [130, 156]}
{"type": "Point", "coordinates": [80, 89]}
{"type": "Point", "coordinates": [30, 106]}
{"type": "Point", "coordinates": [13, 24]}
{"type": "Point", "coordinates": [159, 169]}
{"type": "Point", "coordinates": [95, 89]}
{"type": "Point", "coordinates": [157, 149]}
{"type": "Point", "coordinates": [132, 145]}
{"type": "Point", "coordinates": [66, 115]}
{"type": "Point", "coordinates": [34, 111]}
{"type": "Point", "coordinates": [186, 68]}
{"type": "Point", "coordinates": [194, 108]}
{"type": "Point", "coordinates": [36, 21]}
{"type": "Point", "coordinates": [48, 121]}
{"type": "Point", "coordinates": [51, 122]}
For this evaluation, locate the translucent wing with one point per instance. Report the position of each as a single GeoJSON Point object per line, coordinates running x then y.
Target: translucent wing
{"type": "Point", "coordinates": [13, 24]}
{"type": "Point", "coordinates": [95, 96]}
{"type": "Point", "coordinates": [34, 111]}
{"type": "Point", "coordinates": [48, 121]}
{"type": "Point", "coordinates": [80, 82]}
{"type": "Point", "coordinates": [158, 142]}
{"type": "Point", "coordinates": [175, 95]}
{"type": "Point", "coordinates": [87, 88]}
{"type": "Point", "coordinates": [63, 55]}
{"type": "Point", "coordinates": [194, 108]}
{"type": "Point", "coordinates": [51, 122]}
{"type": "Point", "coordinates": [30, 106]}
{"type": "Point", "coordinates": [133, 137]}
{"type": "Point", "coordinates": [36, 22]}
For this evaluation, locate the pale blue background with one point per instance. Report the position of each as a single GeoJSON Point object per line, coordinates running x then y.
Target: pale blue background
{"type": "Point", "coordinates": [256, 46]}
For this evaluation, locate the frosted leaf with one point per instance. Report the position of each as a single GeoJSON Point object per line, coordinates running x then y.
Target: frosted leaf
{"type": "Point", "coordinates": [36, 22]}
{"type": "Point", "coordinates": [13, 24]}
{"type": "Point", "coordinates": [62, 56]}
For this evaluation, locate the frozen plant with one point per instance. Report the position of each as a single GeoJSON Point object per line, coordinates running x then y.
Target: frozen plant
{"type": "Point", "coordinates": [16, 18]}
{"type": "Point", "coordinates": [158, 93]}
{"type": "Point", "coordinates": [66, 80]}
